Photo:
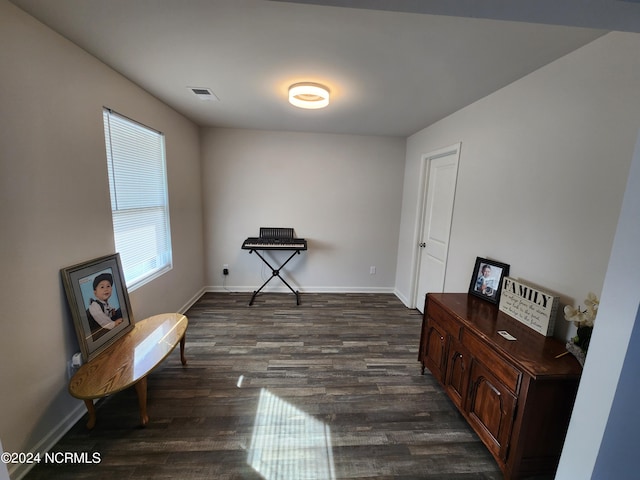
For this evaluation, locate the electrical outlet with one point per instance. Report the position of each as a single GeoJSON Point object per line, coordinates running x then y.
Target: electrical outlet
{"type": "Point", "coordinates": [71, 370]}
{"type": "Point", "coordinates": [76, 360]}
{"type": "Point", "coordinates": [372, 270]}
{"type": "Point", "coordinates": [225, 269]}
{"type": "Point", "coordinates": [74, 364]}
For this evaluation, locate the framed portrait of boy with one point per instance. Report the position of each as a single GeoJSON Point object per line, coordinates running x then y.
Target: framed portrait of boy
{"type": "Point", "coordinates": [486, 280]}
{"type": "Point", "coordinates": [99, 303]}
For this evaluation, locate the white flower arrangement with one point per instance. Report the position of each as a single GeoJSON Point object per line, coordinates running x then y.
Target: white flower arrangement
{"type": "Point", "coordinates": [583, 318]}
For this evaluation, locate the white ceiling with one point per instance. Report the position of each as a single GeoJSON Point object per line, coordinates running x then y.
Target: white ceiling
{"type": "Point", "coordinates": [390, 72]}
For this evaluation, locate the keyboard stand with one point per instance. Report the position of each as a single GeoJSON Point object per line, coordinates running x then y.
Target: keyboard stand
{"type": "Point", "coordinates": [275, 272]}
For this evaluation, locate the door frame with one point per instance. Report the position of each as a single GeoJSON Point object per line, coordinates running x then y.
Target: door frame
{"type": "Point", "coordinates": [423, 180]}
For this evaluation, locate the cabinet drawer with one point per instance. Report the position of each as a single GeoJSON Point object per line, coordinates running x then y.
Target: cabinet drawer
{"type": "Point", "coordinates": [503, 370]}
{"type": "Point", "coordinates": [446, 321]}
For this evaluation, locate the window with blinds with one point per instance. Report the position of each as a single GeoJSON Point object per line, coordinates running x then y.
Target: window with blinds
{"type": "Point", "coordinates": [139, 199]}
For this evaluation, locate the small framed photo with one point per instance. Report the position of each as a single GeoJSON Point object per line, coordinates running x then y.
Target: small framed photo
{"type": "Point", "coordinates": [486, 281]}
{"type": "Point", "coordinates": [99, 303]}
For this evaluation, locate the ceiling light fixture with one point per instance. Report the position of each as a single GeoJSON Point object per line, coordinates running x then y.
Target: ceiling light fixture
{"type": "Point", "coordinates": [308, 95]}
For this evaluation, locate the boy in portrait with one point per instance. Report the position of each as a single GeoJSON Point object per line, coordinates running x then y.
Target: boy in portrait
{"type": "Point", "coordinates": [102, 316]}
{"type": "Point", "coordinates": [486, 283]}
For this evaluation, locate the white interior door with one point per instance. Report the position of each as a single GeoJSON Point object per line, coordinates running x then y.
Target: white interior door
{"type": "Point", "coordinates": [433, 246]}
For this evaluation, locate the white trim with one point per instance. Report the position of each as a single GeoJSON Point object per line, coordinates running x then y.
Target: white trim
{"type": "Point", "coordinates": [245, 289]}
{"type": "Point", "coordinates": [402, 298]}
{"type": "Point", "coordinates": [192, 301]}
{"type": "Point", "coordinates": [18, 471]}
{"type": "Point", "coordinates": [4, 471]}
{"type": "Point", "coordinates": [422, 201]}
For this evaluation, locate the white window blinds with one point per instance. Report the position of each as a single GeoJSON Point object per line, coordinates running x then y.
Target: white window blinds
{"type": "Point", "coordinates": [139, 200]}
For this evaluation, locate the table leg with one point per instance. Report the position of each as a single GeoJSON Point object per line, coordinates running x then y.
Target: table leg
{"type": "Point", "coordinates": [183, 359]}
{"type": "Point", "coordinates": [91, 409]}
{"type": "Point", "coordinates": [141, 390]}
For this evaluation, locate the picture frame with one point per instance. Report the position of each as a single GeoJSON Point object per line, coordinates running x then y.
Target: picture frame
{"type": "Point", "coordinates": [487, 279]}
{"type": "Point", "coordinates": [101, 313]}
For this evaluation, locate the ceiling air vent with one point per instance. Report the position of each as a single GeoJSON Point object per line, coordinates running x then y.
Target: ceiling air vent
{"type": "Point", "coordinates": [203, 93]}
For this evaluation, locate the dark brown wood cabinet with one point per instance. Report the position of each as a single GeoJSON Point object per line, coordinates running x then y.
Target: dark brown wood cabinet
{"type": "Point", "coordinates": [515, 394]}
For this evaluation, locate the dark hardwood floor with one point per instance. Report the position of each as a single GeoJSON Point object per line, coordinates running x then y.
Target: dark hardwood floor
{"type": "Point", "coordinates": [329, 389]}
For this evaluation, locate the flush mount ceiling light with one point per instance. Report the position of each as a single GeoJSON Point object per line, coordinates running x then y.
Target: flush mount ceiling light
{"type": "Point", "coordinates": [308, 95]}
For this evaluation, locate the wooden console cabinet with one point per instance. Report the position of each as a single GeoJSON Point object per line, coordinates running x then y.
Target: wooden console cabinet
{"type": "Point", "coordinates": [515, 394]}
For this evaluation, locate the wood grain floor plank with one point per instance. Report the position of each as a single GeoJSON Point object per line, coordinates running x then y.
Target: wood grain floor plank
{"type": "Point", "coordinates": [329, 389]}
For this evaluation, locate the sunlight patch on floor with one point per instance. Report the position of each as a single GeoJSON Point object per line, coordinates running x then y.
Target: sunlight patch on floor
{"type": "Point", "coordinates": [289, 444]}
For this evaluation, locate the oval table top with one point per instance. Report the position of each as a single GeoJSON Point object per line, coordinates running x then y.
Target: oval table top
{"type": "Point", "coordinates": [130, 358]}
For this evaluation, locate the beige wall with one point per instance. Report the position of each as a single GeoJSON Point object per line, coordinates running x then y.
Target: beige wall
{"type": "Point", "coordinates": [342, 193]}
{"type": "Point", "coordinates": [55, 212]}
{"type": "Point", "coordinates": [602, 441]}
{"type": "Point", "coordinates": [548, 154]}
{"type": "Point", "coordinates": [542, 172]}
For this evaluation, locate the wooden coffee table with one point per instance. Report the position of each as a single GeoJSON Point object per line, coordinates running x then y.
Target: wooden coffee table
{"type": "Point", "coordinates": [128, 362]}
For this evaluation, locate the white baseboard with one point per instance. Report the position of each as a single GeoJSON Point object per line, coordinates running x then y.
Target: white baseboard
{"type": "Point", "coordinates": [283, 289]}
{"type": "Point", "coordinates": [18, 471]}
{"type": "Point", "coordinates": [402, 298]}
{"type": "Point", "coordinates": [192, 300]}
{"type": "Point", "coordinates": [4, 472]}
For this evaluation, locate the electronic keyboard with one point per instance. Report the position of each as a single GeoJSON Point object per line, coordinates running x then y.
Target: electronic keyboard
{"type": "Point", "coordinates": [275, 238]}
{"type": "Point", "coordinates": [259, 243]}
